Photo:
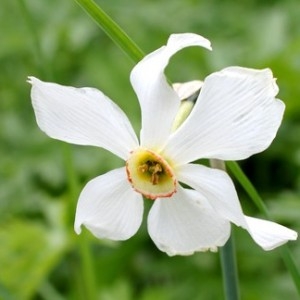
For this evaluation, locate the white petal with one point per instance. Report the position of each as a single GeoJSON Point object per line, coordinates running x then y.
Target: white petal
{"type": "Point", "coordinates": [159, 102]}
{"type": "Point", "coordinates": [109, 207]}
{"type": "Point", "coordinates": [82, 116]}
{"type": "Point", "coordinates": [269, 235]}
{"type": "Point", "coordinates": [218, 188]}
{"type": "Point", "coordinates": [186, 89]}
{"type": "Point", "coordinates": [235, 116]}
{"type": "Point", "coordinates": [186, 223]}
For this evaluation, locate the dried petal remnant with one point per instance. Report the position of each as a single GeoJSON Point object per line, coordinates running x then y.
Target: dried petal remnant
{"type": "Point", "coordinates": [150, 174]}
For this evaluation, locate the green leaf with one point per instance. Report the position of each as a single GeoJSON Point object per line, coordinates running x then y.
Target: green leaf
{"type": "Point", "coordinates": [118, 36]}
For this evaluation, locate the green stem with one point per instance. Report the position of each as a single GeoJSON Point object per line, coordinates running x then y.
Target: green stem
{"type": "Point", "coordinates": [291, 265]}
{"type": "Point", "coordinates": [112, 29]}
{"type": "Point", "coordinates": [248, 187]}
{"type": "Point", "coordinates": [228, 255]}
{"type": "Point", "coordinates": [285, 252]}
{"type": "Point", "coordinates": [86, 260]}
{"type": "Point", "coordinates": [87, 266]}
{"type": "Point", "coordinates": [229, 270]}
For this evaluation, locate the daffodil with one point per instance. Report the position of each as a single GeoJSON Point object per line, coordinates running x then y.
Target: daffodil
{"type": "Point", "coordinates": [236, 115]}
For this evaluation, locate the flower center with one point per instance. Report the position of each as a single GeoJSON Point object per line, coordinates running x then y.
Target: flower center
{"type": "Point", "coordinates": [150, 174]}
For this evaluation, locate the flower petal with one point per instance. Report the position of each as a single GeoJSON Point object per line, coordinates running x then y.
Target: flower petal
{"type": "Point", "coordinates": [235, 116]}
{"type": "Point", "coordinates": [269, 235]}
{"type": "Point", "coordinates": [186, 89]}
{"type": "Point", "coordinates": [218, 188]}
{"type": "Point", "coordinates": [186, 223]}
{"type": "Point", "coordinates": [109, 207]}
{"type": "Point", "coordinates": [82, 116]}
{"type": "Point", "coordinates": [159, 102]}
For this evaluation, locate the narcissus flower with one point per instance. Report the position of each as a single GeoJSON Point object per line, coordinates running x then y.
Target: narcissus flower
{"type": "Point", "coordinates": [236, 115]}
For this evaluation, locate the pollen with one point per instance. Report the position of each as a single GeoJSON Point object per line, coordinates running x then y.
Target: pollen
{"type": "Point", "coordinates": [150, 174]}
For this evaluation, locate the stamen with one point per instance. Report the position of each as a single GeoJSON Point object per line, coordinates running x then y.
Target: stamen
{"type": "Point", "coordinates": [154, 178]}
{"type": "Point", "coordinates": [143, 168]}
{"type": "Point", "coordinates": [153, 168]}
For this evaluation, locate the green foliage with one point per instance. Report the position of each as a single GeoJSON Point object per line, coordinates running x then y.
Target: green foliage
{"type": "Point", "coordinates": [55, 40]}
{"type": "Point", "coordinates": [29, 251]}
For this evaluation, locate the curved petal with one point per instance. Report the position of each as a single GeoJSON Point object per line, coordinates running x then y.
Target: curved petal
{"type": "Point", "coordinates": [235, 116]}
{"type": "Point", "coordinates": [82, 116]}
{"type": "Point", "coordinates": [186, 89]}
{"type": "Point", "coordinates": [109, 207]}
{"type": "Point", "coordinates": [159, 102]}
{"type": "Point", "coordinates": [186, 223]}
{"type": "Point", "coordinates": [269, 235]}
{"type": "Point", "coordinates": [218, 188]}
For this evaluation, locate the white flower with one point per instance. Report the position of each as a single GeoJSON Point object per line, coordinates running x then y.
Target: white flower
{"type": "Point", "coordinates": [236, 115]}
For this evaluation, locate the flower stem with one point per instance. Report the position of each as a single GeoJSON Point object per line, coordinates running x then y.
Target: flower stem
{"type": "Point", "coordinates": [112, 29]}
{"type": "Point", "coordinates": [291, 265]}
{"type": "Point", "coordinates": [229, 270]}
{"type": "Point", "coordinates": [285, 252]}
{"type": "Point", "coordinates": [227, 255]}
{"type": "Point", "coordinates": [248, 187]}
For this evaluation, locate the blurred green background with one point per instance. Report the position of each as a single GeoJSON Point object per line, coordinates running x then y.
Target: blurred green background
{"type": "Point", "coordinates": [40, 255]}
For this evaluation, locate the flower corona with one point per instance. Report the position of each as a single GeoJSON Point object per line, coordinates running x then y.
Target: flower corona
{"type": "Point", "coordinates": [150, 174]}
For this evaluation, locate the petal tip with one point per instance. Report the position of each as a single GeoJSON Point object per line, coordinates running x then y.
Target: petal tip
{"type": "Point", "coordinates": [192, 39]}
{"type": "Point", "coordinates": [269, 235]}
{"type": "Point", "coordinates": [77, 227]}
{"type": "Point", "coordinates": [32, 80]}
